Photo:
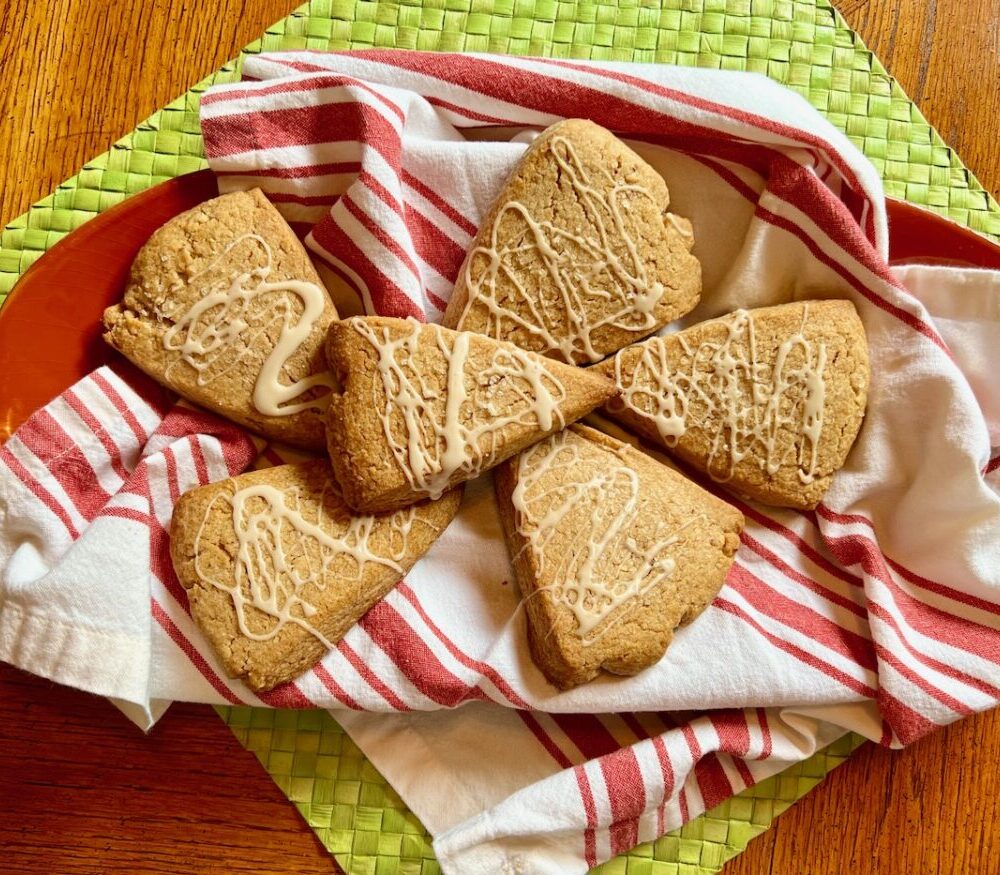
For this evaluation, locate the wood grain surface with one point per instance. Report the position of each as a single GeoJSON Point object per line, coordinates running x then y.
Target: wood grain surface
{"type": "Point", "coordinates": [83, 792]}
{"type": "Point", "coordinates": [946, 55]}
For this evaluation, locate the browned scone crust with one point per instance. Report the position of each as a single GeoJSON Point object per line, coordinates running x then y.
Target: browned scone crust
{"type": "Point", "coordinates": [635, 634]}
{"type": "Point", "coordinates": [663, 243]}
{"type": "Point", "coordinates": [833, 325]}
{"type": "Point", "coordinates": [180, 265]}
{"type": "Point", "coordinates": [494, 386]}
{"type": "Point", "coordinates": [204, 548]}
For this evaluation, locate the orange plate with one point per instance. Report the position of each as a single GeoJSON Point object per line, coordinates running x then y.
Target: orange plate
{"type": "Point", "coordinates": [50, 331]}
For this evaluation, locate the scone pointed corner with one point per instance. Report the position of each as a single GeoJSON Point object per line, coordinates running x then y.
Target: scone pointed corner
{"type": "Point", "coordinates": [110, 316]}
{"type": "Point", "coordinates": [110, 319]}
{"type": "Point", "coordinates": [586, 388]}
{"type": "Point", "coordinates": [797, 386]}
{"type": "Point", "coordinates": [422, 408]}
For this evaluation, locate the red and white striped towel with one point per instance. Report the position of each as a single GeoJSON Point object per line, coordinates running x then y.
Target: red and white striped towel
{"type": "Point", "coordinates": [879, 612]}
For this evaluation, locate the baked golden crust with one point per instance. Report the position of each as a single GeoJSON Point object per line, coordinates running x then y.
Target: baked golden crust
{"type": "Point", "coordinates": [578, 256]}
{"type": "Point", "coordinates": [768, 401]}
{"type": "Point", "coordinates": [217, 354]}
{"type": "Point", "coordinates": [277, 567]}
{"type": "Point", "coordinates": [421, 408]}
{"type": "Point", "coordinates": [612, 551]}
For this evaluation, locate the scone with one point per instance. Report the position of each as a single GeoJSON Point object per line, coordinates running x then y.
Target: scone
{"type": "Point", "coordinates": [277, 568]}
{"type": "Point", "coordinates": [767, 401]}
{"type": "Point", "coordinates": [612, 551]}
{"type": "Point", "coordinates": [224, 307]}
{"type": "Point", "coordinates": [421, 408]}
{"type": "Point", "coordinates": [578, 256]}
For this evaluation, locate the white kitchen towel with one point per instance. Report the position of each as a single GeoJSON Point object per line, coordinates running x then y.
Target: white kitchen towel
{"type": "Point", "coordinates": [878, 612]}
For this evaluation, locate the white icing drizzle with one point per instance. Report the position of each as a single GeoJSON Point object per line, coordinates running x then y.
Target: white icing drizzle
{"type": "Point", "coordinates": [596, 269]}
{"type": "Point", "coordinates": [681, 226]}
{"type": "Point", "coordinates": [741, 403]}
{"type": "Point", "coordinates": [439, 448]}
{"type": "Point", "coordinates": [210, 335]}
{"type": "Point", "coordinates": [602, 566]}
{"type": "Point", "coordinates": [279, 553]}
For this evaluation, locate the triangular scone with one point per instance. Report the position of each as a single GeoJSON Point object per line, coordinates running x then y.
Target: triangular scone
{"type": "Point", "coordinates": [767, 401]}
{"type": "Point", "coordinates": [578, 256]}
{"type": "Point", "coordinates": [612, 551]}
{"type": "Point", "coordinates": [224, 307]}
{"type": "Point", "coordinates": [277, 568]}
{"type": "Point", "coordinates": [422, 408]}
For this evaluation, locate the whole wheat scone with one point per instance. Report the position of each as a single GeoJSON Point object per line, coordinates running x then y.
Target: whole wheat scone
{"type": "Point", "coordinates": [612, 551]}
{"type": "Point", "coordinates": [421, 408]}
{"type": "Point", "coordinates": [277, 568]}
{"type": "Point", "coordinates": [224, 307]}
{"type": "Point", "coordinates": [767, 401]}
{"type": "Point", "coordinates": [578, 255]}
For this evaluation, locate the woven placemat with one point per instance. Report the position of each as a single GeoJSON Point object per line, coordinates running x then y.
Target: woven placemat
{"type": "Point", "coordinates": [364, 823]}
{"type": "Point", "coordinates": [804, 44]}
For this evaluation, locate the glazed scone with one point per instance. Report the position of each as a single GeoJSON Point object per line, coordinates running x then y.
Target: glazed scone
{"type": "Point", "coordinates": [612, 551]}
{"type": "Point", "coordinates": [421, 408]}
{"type": "Point", "coordinates": [277, 568]}
{"type": "Point", "coordinates": [767, 401]}
{"type": "Point", "coordinates": [579, 255]}
{"type": "Point", "coordinates": [224, 307]}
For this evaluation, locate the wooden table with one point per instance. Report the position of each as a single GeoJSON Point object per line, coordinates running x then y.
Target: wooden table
{"type": "Point", "coordinates": [81, 791]}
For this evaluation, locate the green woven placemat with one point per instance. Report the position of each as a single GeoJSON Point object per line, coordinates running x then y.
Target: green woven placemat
{"type": "Point", "coordinates": [804, 44]}
{"type": "Point", "coordinates": [364, 823]}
